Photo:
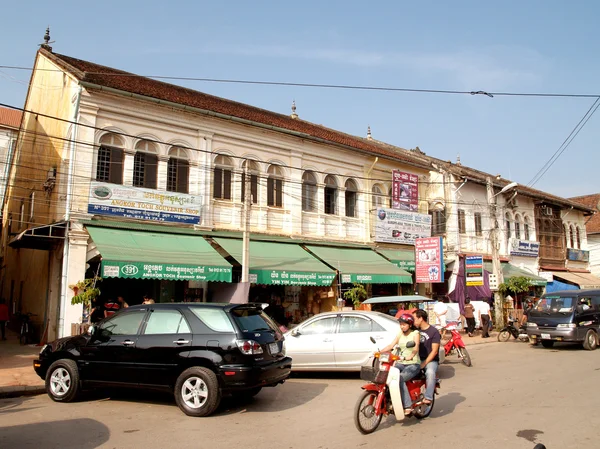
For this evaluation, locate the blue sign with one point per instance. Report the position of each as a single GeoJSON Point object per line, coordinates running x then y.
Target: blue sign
{"type": "Point", "coordinates": [524, 248]}
{"type": "Point", "coordinates": [578, 255]}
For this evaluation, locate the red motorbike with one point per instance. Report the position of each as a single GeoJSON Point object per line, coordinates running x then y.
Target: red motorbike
{"type": "Point", "coordinates": [381, 396]}
{"type": "Point", "coordinates": [456, 344]}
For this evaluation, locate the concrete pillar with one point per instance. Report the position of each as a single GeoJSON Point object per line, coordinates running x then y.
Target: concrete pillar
{"type": "Point", "coordinates": [194, 181]}
{"type": "Point", "coordinates": [128, 166]}
{"type": "Point", "coordinates": [161, 175]}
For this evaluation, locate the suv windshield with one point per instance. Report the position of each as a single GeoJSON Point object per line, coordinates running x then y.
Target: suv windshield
{"type": "Point", "coordinates": [253, 320]}
{"type": "Point", "coordinates": [555, 304]}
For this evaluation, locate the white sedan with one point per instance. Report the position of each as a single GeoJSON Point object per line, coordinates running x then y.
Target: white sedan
{"type": "Point", "coordinates": [339, 341]}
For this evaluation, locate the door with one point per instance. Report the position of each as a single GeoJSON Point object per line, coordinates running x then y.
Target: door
{"type": "Point", "coordinates": [311, 345]}
{"type": "Point", "coordinates": [352, 344]}
{"type": "Point", "coordinates": [110, 354]}
{"type": "Point", "coordinates": [165, 340]}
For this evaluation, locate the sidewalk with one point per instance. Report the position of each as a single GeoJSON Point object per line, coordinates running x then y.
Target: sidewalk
{"type": "Point", "coordinates": [17, 377]}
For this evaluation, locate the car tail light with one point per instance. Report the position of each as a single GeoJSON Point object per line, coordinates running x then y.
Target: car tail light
{"type": "Point", "coordinates": [249, 347]}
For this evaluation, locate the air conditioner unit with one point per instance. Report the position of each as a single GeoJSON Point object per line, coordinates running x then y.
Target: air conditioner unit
{"type": "Point", "coordinates": [547, 211]}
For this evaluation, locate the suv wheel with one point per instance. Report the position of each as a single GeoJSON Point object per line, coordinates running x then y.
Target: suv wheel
{"type": "Point", "coordinates": [591, 340]}
{"type": "Point", "coordinates": [62, 381]}
{"type": "Point", "coordinates": [197, 391]}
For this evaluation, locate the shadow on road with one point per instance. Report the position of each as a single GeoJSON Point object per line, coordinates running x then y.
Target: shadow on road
{"type": "Point", "coordinates": [445, 404]}
{"type": "Point", "coordinates": [76, 433]}
{"type": "Point", "coordinates": [11, 405]}
{"type": "Point", "coordinates": [325, 375]}
{"type": "Point", "coordinates": [445, 372]}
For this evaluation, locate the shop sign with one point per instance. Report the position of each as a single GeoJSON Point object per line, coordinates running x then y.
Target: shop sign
{"type": "Point", "coordinates": [172, 272]}
{"type": "Point", "coordinates": [546, 275]}
{"type": "Point", "coordinates": [370, 278]}
{"type": "Point", "coordinates": [143, 204]}
{"type": "Point", "coordinates": [408, 265]}
{"type": "Point", "coordinates": [524, 248]}
{"type": "Point", "coordinates": [405, 191]}
{"type": "Point", "coordinates": [474, 271]}
{"type": "Point", "coordinates": [393, 226]}
{"type": "Point", "coordinates": [493, 280]}
{"type": "Point", "coordinates": [429, 258]}
{"type": "Point", "coordinates": [578, 255]}
{"type": "Point", "coordinates": [276, 277]}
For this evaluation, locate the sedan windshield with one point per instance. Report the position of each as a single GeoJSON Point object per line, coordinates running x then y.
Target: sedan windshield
{"type": "Point", "coordinates": [554, 304]}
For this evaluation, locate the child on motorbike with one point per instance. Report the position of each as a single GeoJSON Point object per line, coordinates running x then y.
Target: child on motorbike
{"type": "Point", "coordinates": [409, 363]}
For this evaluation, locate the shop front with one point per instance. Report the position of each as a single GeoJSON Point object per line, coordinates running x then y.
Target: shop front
{"type": "Point", "coordinates": [404, 259]}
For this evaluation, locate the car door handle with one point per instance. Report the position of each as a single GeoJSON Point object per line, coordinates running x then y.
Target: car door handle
{"type": "Point", "coordinates": [128, 343]}
{"type": "Point", "coordinates": [181, 342]}
{"type": "Point", "coordinates": [327, 340]}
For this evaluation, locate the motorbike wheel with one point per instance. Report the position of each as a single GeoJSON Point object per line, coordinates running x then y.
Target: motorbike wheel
{"type": "Point", "coordinates": [504, 336]}
{"type": "Point", "coordinates": [423, 410]}
{"type": "Point", "coordinates": [365, 418]}
{"type": "Point", "coordinates": [464, 356]}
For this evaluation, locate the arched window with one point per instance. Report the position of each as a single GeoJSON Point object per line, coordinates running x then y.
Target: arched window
{"type": "Point", "coordinates": [526, 228]}
{"type": "Point", "coordinates": [572, 236]}
{"type": "Point", "coordinates": [178, 171]}
{"type": "Point", "coordinates": [518, 227]}
{"type": "Point", "coordinates": [309, 192]}
{"type": "Point", "coordinates": [331, 192]}
{"type": "Point", "coordinates": [351, 198]}
{"type": "Point", "coordinates": [222, 178]}
{"type": "Point", "coordinates": [508, 230]}
{"type": "Point", "coordinates": [275, 186]}
{"type": "Point", "coordinates": [254, 170]}
{"type": "Point", "coordinates": [145, 165]}
{"type": "Point", "coordinates": [377, 197]}
{"type": "Point", "coordinates": [109, 167]}
{"type": "Point", "coordinates": [578, 236]}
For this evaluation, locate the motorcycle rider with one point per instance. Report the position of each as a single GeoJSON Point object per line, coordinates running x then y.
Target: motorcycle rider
{"type": "Point", "coordinates": [409, 364]}
{"type": "Point", "coordinates": [428, 352]}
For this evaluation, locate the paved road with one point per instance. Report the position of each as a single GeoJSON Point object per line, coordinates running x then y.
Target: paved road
{"type": "Point", "coordinates": [513, 395]}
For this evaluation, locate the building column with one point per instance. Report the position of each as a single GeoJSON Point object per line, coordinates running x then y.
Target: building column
{"type": "Point", "coordinates": [342, 211]}
{"type": "Point", "coordinates": [128, 156]}
{"type": "Point", "coordinates": [194, 181]}
{"type": "Point", "coordinates": [161, 174]}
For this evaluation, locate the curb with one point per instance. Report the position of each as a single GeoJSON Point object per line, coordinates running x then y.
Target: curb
{"type": "Point", "coordinates": [20, 390]}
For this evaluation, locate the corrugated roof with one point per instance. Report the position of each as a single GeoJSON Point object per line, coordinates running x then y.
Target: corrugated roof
{"type": "Point", "coordinates": [10, 118]}
{"type": "Point", "coordinates": [593, 202]}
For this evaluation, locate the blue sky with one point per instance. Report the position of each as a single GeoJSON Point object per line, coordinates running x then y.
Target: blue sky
{"type": "Point", "coordinates": [515, 46]}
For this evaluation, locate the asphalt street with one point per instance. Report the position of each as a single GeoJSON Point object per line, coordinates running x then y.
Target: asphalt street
{"type": "Point", "coordinates": [513, 396]}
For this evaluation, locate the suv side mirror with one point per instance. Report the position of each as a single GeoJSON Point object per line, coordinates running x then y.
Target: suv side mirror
{"type": "Point", "coordinates": [296, 333]}
{"type": "Point", "coordinates": [91, 330]}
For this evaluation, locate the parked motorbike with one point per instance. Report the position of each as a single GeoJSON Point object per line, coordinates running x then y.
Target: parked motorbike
{"type": "Point", "coordinates": [381, 396]}
{"type": "Point", "coordinates": [511, 329]}
{"type": "Point", "coordinates": [456, 344]}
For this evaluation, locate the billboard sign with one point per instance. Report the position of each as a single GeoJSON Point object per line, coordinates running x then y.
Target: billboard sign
{"type": "Point", "coordinates": [474, 271]}
{"type": "Point", "coordinates": [524, 248]}
{"type": "Point", "coordinates": [394, 226]}
{"type": "Point", "coordinates": [405, 191]}
{"type": "Point", "coordinates": [429, 260]}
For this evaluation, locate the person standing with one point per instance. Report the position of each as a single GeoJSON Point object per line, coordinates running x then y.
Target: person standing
{"type": "Point", "coordinates": [110, 308]}
{"type": "Point", "coordinates": [441, 310]}
{"type": "Point", "coordinates": [122, 303]}
{"type": "Point", "coordinates": [469, 315]}
{"type": "Point", "coordinates": [3, 317]}
{"type": "Point", "coordinates": [484, 319]}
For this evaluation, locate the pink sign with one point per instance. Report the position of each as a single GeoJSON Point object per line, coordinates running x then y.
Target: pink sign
{"type": "Point", "coordinates": [429, 260]}
{"type": "Point", "coordinates": [405, 191]}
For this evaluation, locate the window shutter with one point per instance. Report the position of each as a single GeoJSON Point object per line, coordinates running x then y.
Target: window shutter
{"type": "Point", "coordinates": [227, 184]}
{"type": "Point", "coordinates": [279, 192]}
{"type": "Point", "coordinates": [183, 170]}
{"type": "Point", "coordinates": [217, 181]}
{"type": "Point", "coordinates": [150, 170]}
{"type": "Point", "coordinates": [116, 166]}
{"type": "Point", "coordinates": [270, 193]}
{"type": "Point", "coordinates": [244, 187]}
{"type": "Point", "coordinates": [254, 188]}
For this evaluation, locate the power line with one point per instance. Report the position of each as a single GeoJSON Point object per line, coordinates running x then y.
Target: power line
{"type": "Point", "coordinates": [327, 85]}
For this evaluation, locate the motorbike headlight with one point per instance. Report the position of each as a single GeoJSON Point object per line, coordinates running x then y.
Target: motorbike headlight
{"type": "Point", "coordinates": [532, 325]}
{"type": "Point", "coordinates": [566, 326]}
{"type": "Point", "coordinates": [384, 358]}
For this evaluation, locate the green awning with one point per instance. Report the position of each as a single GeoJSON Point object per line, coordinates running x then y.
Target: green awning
{"type": "Point", "coordinates": [156, 255]}
{"type": "Point", "coordinates": [510, 271]}
{"type": "Point", "coordinates": [361, 265]}
{"type": "Point", "coordinates": [280, 263]}
{"type": "Point", "coordinates": [404, 259]}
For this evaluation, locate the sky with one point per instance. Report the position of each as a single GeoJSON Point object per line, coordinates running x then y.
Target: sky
{"type": "Point", "coordinates": [512, 46]}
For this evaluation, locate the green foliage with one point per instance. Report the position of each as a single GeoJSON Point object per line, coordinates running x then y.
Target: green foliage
{"type": "Point", "coordinates": [356, 294]}
{"type": "Point", "coordinates": [519, 284]}
{"type": "Point", "coordinates": [86, 291]}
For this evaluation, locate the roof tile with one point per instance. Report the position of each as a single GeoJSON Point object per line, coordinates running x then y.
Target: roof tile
{"type": "Point", "coordinates": [10, 118]}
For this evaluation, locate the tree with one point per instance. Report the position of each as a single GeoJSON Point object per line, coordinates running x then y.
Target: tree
{"type": "Point", "coordinates": [356, 294]}
{"type": "Point", "coordinates": [85, 293]}
{"type": "Point", "coordinates": [516, 285]}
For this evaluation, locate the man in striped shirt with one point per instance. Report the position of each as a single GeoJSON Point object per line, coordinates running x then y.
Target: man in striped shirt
{"type": "Point", "coordinates": [111, 307]}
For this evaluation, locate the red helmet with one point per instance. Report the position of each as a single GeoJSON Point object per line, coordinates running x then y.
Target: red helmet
{"type": "Point", "coordinates": [407, 318]}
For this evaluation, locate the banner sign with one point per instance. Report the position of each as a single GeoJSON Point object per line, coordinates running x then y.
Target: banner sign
{"type": "Point", "coordinates": [578, 255]}
{"type": "Point", "coordinates": [173, 272]}
{"type": "Point", "coordinates": [405, 191]}
{"type": "Point", "coordinates": [393, 226]}
{"type": "Point", "coordinates": [474, 271]}
{"type": "Point", "coordinates": [524, 248]}
{"type": "Point", "coordinates": [276, 277]}
{"type": "Point", "coordinates": [143, 204]}
{"type": "Point", "coordinates": [429, 259]}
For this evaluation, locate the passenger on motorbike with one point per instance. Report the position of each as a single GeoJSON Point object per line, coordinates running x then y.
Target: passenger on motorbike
{"type": "Point", "coordinates": [409, 364]}
{"type": "Point", "coordinates": [428, 351]}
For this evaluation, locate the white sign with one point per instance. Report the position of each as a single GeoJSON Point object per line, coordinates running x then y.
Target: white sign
{"type": "Point", "coordinates": [546, 275]}
{"type": "Point", "coordinates": [143, 204]}
{"type": "Point", "coordinates": [396, 226]}
{"type": "Point", "coordinates": [493, 282]}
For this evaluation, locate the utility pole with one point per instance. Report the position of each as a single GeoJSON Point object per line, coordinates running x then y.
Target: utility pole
{"type": "Point", "coordinates": [246, 226]}
{"type": "Point", "coordinates": [497, 269]}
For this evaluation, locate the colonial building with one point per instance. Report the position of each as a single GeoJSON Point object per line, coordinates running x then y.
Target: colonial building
{"type": "Point", "coordinates": [10, 121]}
{"type": "Point", "coordinates": [592, 226]}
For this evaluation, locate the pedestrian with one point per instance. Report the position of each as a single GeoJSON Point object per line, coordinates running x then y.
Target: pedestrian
{"type": "Point", "coordinates": [469, 315]}
{"type": "Point", "coordinates": [97, 311]}
{"type": "Point", "coordinates": [441, 310]}
{"type": "Point", "coordinates": [484, 319]}
{"type": "Point", "coordinates": [110, 308]}
{"type": "Point", "coordinates": [3, 317]}
{"type": "Point", "coordinates": [122, 302]}
{"type": "Point", "coordinates": [147, 300]}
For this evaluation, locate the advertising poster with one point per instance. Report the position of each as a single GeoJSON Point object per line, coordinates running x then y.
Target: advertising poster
{"type": "Point", "coordinates": [405, 191]}
{"type": "Point", "coordinates": [394, 226]}
{"type": "Point", "coordinates": [143, 204]}
{"type": "Point", "coordinates": [429, 260]}
{"type": "Point", "coordinates": [474, 271]}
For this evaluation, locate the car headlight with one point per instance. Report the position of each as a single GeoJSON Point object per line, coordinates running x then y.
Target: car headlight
{"type": "Point", "coordinates": [532, 325]}
{"type": "Point", "coordinates": [566, 326]}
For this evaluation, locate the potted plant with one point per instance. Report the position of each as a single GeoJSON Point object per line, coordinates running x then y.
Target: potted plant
{"type": "Point", "coordinates": [356, 294]}
{"type": "Point", "coordinates": [85, 293]}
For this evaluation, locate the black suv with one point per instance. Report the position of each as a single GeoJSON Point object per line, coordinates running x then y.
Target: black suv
{"type": "Point", "coordinates": [198, 351]}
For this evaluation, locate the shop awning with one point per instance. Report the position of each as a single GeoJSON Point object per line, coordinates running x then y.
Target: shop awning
{"type": "Point", "coordinates": [404, 259]}
{"type": "Point", "coordinates": [44, 237]}
{"type": "Point", "coordinates": [584, 280]}
{"type": "Point", "coordinates": [155, 255]}
{"type": "Point", "coordinates": [361, 265]}
{"type": "Point", "coordinates": [511, 271]}
{"type": "Point", "coordinates": [275, 263]}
